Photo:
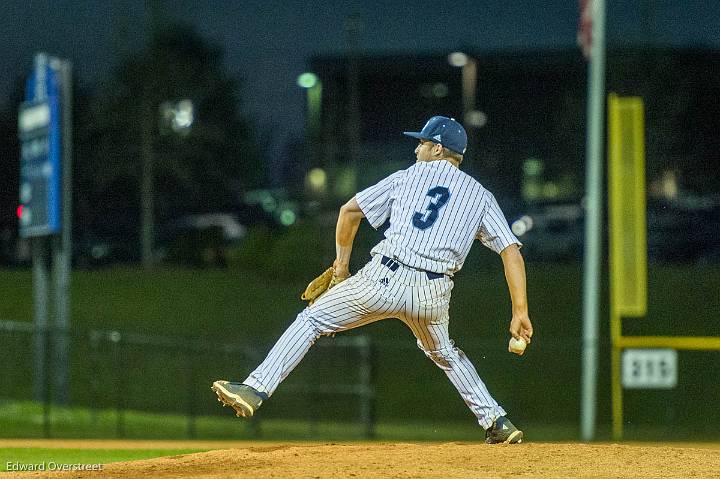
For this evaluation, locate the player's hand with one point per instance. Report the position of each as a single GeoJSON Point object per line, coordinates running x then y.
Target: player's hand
{"type": "Point", "coordinates": [521, 327]}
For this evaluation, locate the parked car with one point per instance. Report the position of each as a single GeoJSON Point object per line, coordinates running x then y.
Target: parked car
{"type": "Point", "coordinates": [91, 249]}
{"type": "Point", "coordinates": [676, 232]}
{"type": "Point", "coordinates": [200, 239]}
{"type": "Point", "coordinates": [683, 233]}
{"type": "Point", "coordinates": [551, 232]}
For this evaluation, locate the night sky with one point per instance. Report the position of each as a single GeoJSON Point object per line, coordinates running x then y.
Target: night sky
{"type": "Point", "coordinates": [267, 43]}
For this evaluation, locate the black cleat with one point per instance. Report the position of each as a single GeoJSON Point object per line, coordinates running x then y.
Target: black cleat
{"type": "Point", "coordinates": [503, 431]}
{"type": "Point", "coordinates": [243, 399]}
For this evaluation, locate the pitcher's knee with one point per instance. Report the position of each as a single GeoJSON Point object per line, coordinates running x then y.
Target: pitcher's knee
{"type": "Point", "coordinates": [442, 357]}
{"type": "Point", "coordinates": [315, 321]}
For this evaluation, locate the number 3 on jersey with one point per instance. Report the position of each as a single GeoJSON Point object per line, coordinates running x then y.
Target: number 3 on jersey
{"type": "Point", "coordinates": [426, 219]}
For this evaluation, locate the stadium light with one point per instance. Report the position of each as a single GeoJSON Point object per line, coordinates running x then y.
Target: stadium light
{"type": "Point", "coordinates": [458, 59]}
{"type": "Point", "coordinates": [312, 84]}
{"type": "Point", "coordinates": [307, 80]}
{"type": "Point", "coordinates": [177, 116]}
{"type": "Point", "coordinates": [472, 117]}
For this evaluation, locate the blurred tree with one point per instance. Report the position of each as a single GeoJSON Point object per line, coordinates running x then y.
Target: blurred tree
{"type": "Point", "coordinates": [197, 168]}
{"type": "Point", "coordinates": [9, 168]}
{"type": "Point", "coordinates": [10, 159]}
{"type": "Point", "coordinates": [680, 109]}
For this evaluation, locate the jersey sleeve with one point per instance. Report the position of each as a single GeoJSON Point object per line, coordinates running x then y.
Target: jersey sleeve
{"type": "Point", "coordinates": [494, 231]}
{"type": "Point", "coordinates": [376, 201]}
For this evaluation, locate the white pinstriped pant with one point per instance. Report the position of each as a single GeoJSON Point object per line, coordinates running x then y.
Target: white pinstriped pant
{"type": "Point", "coordinates": [376, 292]}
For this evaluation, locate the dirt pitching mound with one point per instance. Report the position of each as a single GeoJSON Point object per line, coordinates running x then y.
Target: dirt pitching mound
{"type": "Point", "coordinates": [454, 460]}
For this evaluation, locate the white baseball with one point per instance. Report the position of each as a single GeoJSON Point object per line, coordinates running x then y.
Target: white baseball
{"type": "Point", "coordinates": [517, 346]}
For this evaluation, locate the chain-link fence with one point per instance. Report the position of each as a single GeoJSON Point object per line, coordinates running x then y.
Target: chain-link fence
{"type": "Point", "coordinates": [122, 372]}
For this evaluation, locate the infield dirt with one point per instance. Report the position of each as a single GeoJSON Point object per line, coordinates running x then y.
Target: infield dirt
{"type": "Point", "coordinates": [450, 460]}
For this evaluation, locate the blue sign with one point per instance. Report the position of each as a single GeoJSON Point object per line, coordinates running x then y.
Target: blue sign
{"type": "Point", "coordinates": [40, 153]}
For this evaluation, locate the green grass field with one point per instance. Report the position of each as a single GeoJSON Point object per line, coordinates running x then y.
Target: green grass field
{"type": "Point", "coordinates": [231, 306]}
{"type": "Point", "coordinates": [20, 419]}
{"type": "Point", "coordinates": [24, 420]}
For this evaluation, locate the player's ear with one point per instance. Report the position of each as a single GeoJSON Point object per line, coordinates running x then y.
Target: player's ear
{"type": "Point", "coordinates": [437, 149]}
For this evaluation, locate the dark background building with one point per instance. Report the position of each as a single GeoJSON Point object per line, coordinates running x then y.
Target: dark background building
{"type": "Point", "coordinates": [534, 109]}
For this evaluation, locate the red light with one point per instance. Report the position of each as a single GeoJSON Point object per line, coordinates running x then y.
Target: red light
{"type": "Point", "coordinates": [20, 210]}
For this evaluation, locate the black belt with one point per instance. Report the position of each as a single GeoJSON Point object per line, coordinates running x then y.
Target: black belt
{"type": "Point", "coordinates": [394, 265]}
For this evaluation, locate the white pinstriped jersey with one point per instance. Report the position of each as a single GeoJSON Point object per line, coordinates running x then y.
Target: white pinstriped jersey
{"type": "Point", "coordinates": [436, 211]}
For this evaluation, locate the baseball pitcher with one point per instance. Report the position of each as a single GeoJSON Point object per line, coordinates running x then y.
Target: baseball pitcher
{"type": "Point", "coordinates": [436, 211]}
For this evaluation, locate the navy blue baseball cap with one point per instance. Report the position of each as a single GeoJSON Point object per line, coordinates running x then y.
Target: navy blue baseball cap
{"type": "Point", "coordinates": [445, 131]}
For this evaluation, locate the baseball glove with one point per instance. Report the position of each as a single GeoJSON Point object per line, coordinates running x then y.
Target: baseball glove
{"type": "Point", "coordinates": [319, 285]}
